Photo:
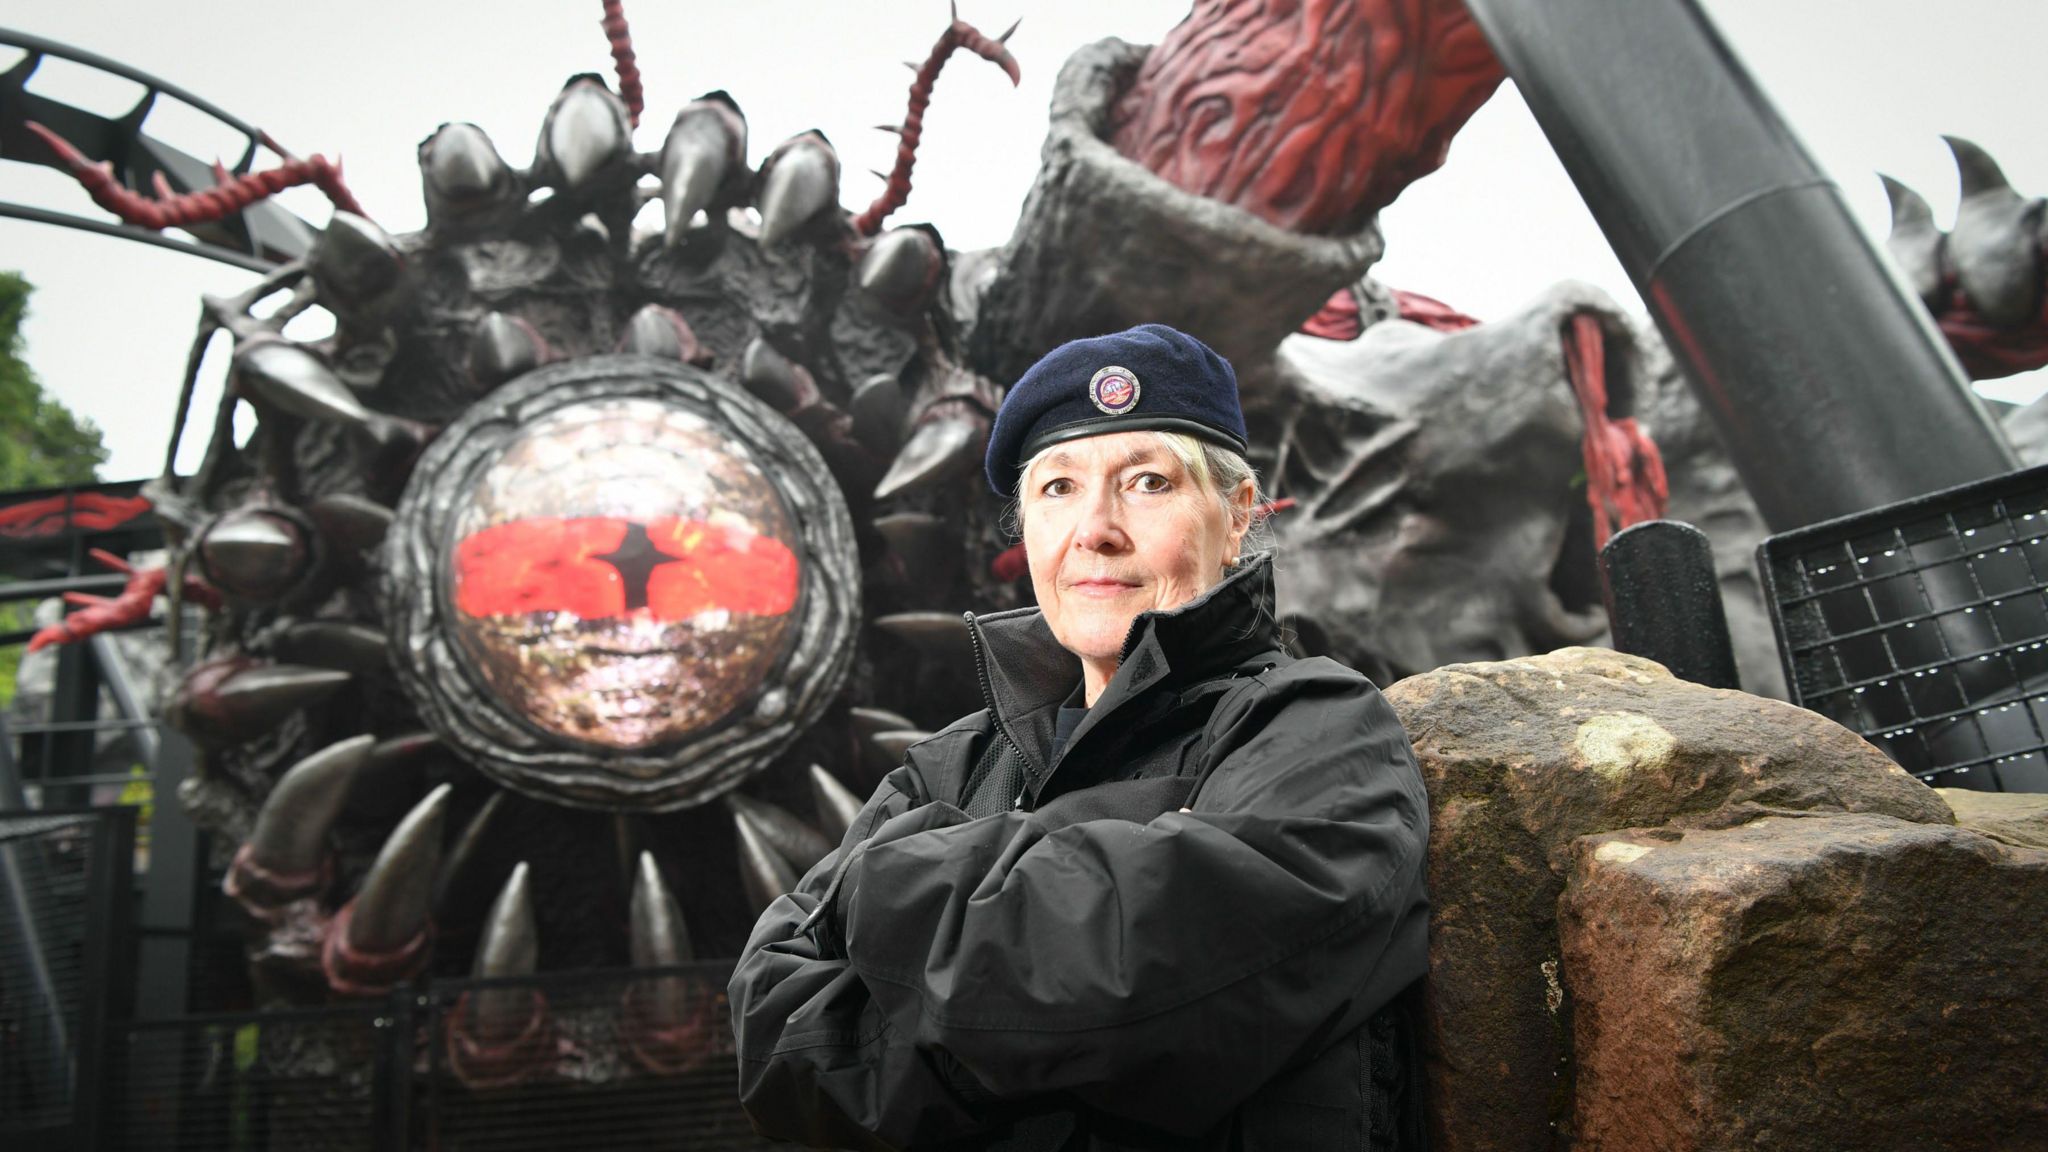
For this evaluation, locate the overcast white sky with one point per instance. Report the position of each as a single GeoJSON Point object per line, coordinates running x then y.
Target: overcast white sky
{"type": "Point", "coordinates": [1869, 86]}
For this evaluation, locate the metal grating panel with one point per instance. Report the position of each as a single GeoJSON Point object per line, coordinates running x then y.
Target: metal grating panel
{"type": "Point", "coordinates": [614, 1060]}
{"type": "Point", "coordinates": [45, 869]}
{"type": "Point", "coordinates": [303, 1081]}
{"type": "Point", "coordinates": [1923, 627]}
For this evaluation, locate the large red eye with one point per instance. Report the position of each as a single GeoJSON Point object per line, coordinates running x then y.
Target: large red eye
{"type": "Point", "coordinates": [596, 567]}
{"type": "Point", "coordinates": [622, 574]}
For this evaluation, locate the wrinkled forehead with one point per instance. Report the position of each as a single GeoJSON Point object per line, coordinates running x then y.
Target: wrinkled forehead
{"type": "Point", "coordinates": [1107, 455]}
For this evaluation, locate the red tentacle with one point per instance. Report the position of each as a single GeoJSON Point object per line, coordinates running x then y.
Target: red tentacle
{"type": "Point", "coordinates": [200, 207]}
{"type": "Point", "coordinates": [621, 38]}
{"type": "Point", "coordinates": [1625, 481]}
{"type": "Point", "coordinates": [959, 35]}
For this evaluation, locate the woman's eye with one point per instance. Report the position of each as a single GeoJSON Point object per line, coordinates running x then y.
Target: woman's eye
{"type": "Point", "coordinates": [1151, 482]}
{"type": "Point", "coordinates": [1057, 487]}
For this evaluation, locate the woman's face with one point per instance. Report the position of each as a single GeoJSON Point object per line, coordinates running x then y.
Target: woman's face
{"type": "Point", "coordinates": [1115, 526]}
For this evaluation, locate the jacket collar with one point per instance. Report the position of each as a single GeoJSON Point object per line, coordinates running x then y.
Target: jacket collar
{"type": "Point", "coordinates": [1026, 674]}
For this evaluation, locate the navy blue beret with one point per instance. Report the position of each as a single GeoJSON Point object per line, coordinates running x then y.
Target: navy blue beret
{"type": "Point", "coordinates": [1149, 378]}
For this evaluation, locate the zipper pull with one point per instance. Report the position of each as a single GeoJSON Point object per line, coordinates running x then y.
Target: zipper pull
{"type": "Point", "coordinates": [1019, 803]}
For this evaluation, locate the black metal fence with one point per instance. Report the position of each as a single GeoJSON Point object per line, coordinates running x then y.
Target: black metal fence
{"type": "Point", "coordinates": [65, 883]}
{"type": "Point", "coordinates": [626, 1060]}
{"type": "Point", "coordinates": [1923, 627]}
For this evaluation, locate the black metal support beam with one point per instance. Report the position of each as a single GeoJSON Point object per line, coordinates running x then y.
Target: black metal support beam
{"type": "Point", "coordinates": [1831, 387]}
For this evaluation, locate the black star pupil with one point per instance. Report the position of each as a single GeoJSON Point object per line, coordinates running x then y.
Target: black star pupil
{"type": "Point", "coordinates": [635, 559]}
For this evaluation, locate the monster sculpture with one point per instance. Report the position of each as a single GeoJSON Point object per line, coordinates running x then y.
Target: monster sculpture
{"type": "Point", "coordinates": [566, 599]}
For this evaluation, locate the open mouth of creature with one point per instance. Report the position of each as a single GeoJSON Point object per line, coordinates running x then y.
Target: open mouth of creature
{"type": "Point", "coordinates": [622, 575]}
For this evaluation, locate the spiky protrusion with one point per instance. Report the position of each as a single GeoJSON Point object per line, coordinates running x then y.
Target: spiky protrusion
{"type": "Point", "coordinates": [701, 164]}
{"type": "Point", "coordinates": [354, 263]}
{"type": "Point", "coordinates": [799, 844]}
{"type": "Point", "coordinates": [462, 175]}
{"type": "Point", "coordinates": [383, 936]}
{"type": "Point", "coordinates": [764, 875]}
{"type": "Point", "coordinates": [231, 699]}
{"type": "Point", "coordinates": [285, 857]}
{"type": "Point", "coordinates": [799, 182]}
{"type": "Point", "coordinates": [837, 806]}
{"type": "Point", "coordinates": [503, 347]}
{"type": "Point", "coordinates": [1996, 243]}
{"type": "Point", "coordinates": [509, 946]}
{"type": "Point", "coordinates": [585, 134]}
{"type": "Point", "coordinates": [939, 450]}
{"type": "Point", "coordinates": [254, 554]}
{"type": "Point", "coordinates": [1915, 243]}
{"type": "Point", "coordinates": [902, 269]}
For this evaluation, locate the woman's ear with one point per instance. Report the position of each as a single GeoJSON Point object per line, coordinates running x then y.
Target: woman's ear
{"type": "Point", "coordinates": [1240, 505]}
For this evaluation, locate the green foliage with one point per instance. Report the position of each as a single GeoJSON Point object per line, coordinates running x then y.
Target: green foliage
{"type": "Point", "coordinates": [42, 443]}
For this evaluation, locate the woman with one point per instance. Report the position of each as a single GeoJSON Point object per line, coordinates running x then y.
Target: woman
{"type": "Point", "coordinates": [1163, 891]}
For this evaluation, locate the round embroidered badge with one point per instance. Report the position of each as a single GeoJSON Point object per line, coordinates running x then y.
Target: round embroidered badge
{"type": "Point", "coordinates": [1114, 390]}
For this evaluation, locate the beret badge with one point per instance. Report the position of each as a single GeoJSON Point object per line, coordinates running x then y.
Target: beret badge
{"type": "Point", "coordinates": [1114, 390]}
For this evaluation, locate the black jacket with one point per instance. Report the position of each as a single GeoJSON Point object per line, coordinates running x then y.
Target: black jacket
{"type": "Point", "coordinates": [1089, 967]}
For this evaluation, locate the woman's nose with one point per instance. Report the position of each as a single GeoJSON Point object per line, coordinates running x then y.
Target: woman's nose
{"type": "Point", "coordinates": [1101, 525]}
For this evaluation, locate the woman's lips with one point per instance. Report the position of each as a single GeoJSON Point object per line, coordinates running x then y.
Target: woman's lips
{"type": "Point", "coordinates": [1103, 588]}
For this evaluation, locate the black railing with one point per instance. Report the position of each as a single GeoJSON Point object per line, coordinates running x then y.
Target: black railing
{"type": "Point", "coordinates": [1923, 627]}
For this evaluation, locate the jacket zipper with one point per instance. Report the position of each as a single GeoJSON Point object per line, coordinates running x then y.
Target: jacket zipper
{"type": "Point", "coordinates": [988, 696]}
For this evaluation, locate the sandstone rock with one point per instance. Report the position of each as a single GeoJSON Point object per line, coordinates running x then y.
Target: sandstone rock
{"type": "Point", "coordinates": [1523, 757]}
{"type": "Point", "coordinates": [2016, 818]}
{"type": "Point", "coordinates": [1807, 983]}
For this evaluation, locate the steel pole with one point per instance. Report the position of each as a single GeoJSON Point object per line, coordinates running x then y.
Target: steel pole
{"type": "Point", "coordinates": [1830, 385]}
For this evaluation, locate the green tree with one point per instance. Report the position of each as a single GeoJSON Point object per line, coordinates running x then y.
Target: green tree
{"type": "Point", "coordinates": [42, 443]}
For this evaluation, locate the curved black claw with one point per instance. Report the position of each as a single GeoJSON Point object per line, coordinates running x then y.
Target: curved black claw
{"type": "Point", "coordinates": [503, 347]}
{"type": "Point", "coordinates": [354, 262]}
{"type": "Point", "coordinates": [1915, 243]}
{"type": "Point", "coordinates": [290, 835]}
{"type": "Point", "coordinates": [939, 450]}
{"type": "Point", "coordinates": [1996, 243]}
{"type": "Point", "coordinates": [393, 906]}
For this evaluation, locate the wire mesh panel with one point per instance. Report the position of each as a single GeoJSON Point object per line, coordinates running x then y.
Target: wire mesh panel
{"type": "Point", "coordinates": [299, 1081]}
{"type": "Point", "coordinates": [1923, 627]}
{"type": "Point", "coordinates": [45, 866]}
{"type": "Point", "coordinates": [626, 1060]}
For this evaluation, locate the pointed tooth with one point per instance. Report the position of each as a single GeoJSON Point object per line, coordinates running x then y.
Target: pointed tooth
{"type": "Point", "coordinates": [354, 648]}
{"type": "Point", "coordinates": [703, 152]}
{"type": "Point", "coordinates": [1914, 242]}
{"type": "Point", "coordinates": [902, 269]}
{"type": "Point", "coordinates": [1996, 243]}
{"type": "Point", "coordinates": [291, 829]}
{"type": "Point", "coordinates": [461, 862]}
{"type": "Point", "coordinates": [935, 633]}
{"type": "Point", "coordinates": [801, 181]}
{"type": "Point", "coordinates": [764, 875]}
{"type": "Point", "coordinates": [392, 907]}
{"type": "Point", "coordinates": [509, 946]}
{"type": "Point", "coordinates": [868, 721]}
{"type": "Point", "coordinates": [354, 261]}
{"type": "Point", "coordinates": [253, 554]}
{"type": "Point", "coordinates": [918, 539]}
{"type": "Point", "coordinates": [294, 380]}
{"type": "Point", "coordinates": [585, 131]}
{"type": "Point", "coordinates": [460, 170]}
{"type": "Point", "coordinates": [229, 700]}
{"type": "Point", "coordinates": [502, 348]}
{"type": "Point", "coordinates": [795, 841]}
{"type": "Point", "coordinates": [771, 376]}
{"type": "Point", "coordinates": [877, 411]}
{"type": "Point", "coordinates": [938, 450]}
{"type": "Point", "coordinates": [837, 805]}
{"type": "Point", "coordinates": [660, 937]}
{"type": "Point", "coordinates": [658, 331]}
{"type": "Point", "coordinates": [350, 523]}
{"type": "Point", "coordinates": [398, 749]}
{"type": "Point", "coordinates": [893, 745]}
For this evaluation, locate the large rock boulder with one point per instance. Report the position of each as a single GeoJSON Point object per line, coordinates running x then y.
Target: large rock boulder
{"type": "Point", "coordinates": [2016, 818]}
{"type": "Point", "coordinates": [1848, 981]}
{"type": "Point", "coordinates": [1522, 758]}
